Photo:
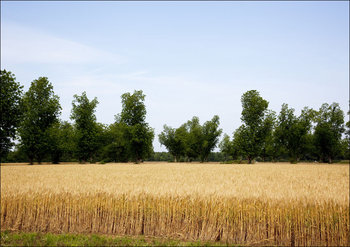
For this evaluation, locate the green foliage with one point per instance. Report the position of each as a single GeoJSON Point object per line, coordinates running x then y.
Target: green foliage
{"type": "Point", "coordinates": [141, 138]}
{"type": "Point", "coordinates": [266, 135]}
{"type": "Point", "coordinates": [10, 95]}
{"type": "Point", "coordinates": [328, 131]}
{"type": "Point", "coordinates": [292, 133]}
{"type": "Point", "coordinates": [346, 141]}
{"type": "Point", "coordinates": [133, 108]}
{"type": "Point", "coordinates": [117, 148]}
{"type": "Point", "coordinates": [62, 139]}
{"type": "Point", "coordinates": [260, 137]}
{"type": "Point", "coordinates": [254, 109]}
{"type": "Point", "coordinates": [210, 137]}
{"type": "Point", "coordinates": [173, 141]}
{"type": "Point", "coordinates": [49, 239]}
{"type": "Point", "coordinates": [191, 139]}
{"type": "Point", "coordinates": [137, 132]}
{"type": "Point", "coordinates": [87, 129]}
{"type": "Point", "coordinates": [41, 109]}
{"type": "Point", "coordinates": [161, 156]}
{"type": "Point", "coordinates": [226, 146]}
{"type": "Point", "coordinates": [257, 121]}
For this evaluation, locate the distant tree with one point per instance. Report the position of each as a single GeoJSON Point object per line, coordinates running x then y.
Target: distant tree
{"type": "Point", "coordinates": [193, 138]}
{"type": "Point", "coordinates": [83, 113]}
{"type": "Point", "coordinates": [253, 130]}
{"type": "Point", "coordinates": [117, 149]}
{"type": "Point", "coordinates": [226, 146]}
{"type": "Point", "coordinates": [10, 95]}
{"type": "Point", "coordinates": [171, 139]}
{"type": "Point", "coordinates": [346, 142]}
{"type": "Point", "coordinates": [292, 132]}
{"type": "Point", "coordinates": [41, 109]}
{"type": "Point", "coordinates": [210, 137]}
{"type": "Point", "coordinates": [55, 140]}
{"type": "Point", "coordinates": [266, 134]}
{"type": "Point", "coordinates": [240, 142]}
{"type": "Point", "coordinates": [347, 126]}
{"type": "Point", "coordinates": [140, 135]}
{"type": "Point", "coordinates": [328, 131]}
{"type": "Point", "coordinates": [133, 108]}
{"type": "Point", "coordinates": [67, 142]}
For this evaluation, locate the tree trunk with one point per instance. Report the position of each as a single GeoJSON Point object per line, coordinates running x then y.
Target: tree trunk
{"type": "Point", "coordinates": [249, 160]}
{"type": "Point", "coordinates": [330, 160]}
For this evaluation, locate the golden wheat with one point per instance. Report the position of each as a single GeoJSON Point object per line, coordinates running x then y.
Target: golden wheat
{"type": "Point", "coordinates": [261, 204]}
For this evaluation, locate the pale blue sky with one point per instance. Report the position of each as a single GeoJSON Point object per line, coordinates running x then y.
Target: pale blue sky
{"type": "Point", "coordinates": [189, 58]}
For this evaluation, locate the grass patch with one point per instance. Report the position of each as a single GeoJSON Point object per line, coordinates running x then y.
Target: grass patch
{"type": "Point", "coordinates": [9, 238]}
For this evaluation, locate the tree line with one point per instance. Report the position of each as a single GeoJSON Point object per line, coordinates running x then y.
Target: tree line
{"type": "Point", "coordinates": [32, 118]}
{"type": "Point", "coordinates": [266, 136]}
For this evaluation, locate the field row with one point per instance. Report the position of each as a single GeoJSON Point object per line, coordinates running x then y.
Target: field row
{"type": "Point", "coordinates": [251, 222]}
{"type": "Point", "coordinates": [302, 182]}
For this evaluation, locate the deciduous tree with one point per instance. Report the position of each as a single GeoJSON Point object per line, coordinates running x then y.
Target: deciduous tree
{"type": "Point", "coordinates": [10, 99]}
{"type": "Point", "coordinates": [226, 146]}
{"type": "Point", "coordinates": [253, 133]}
{"type": "Point", "coordinates": [292, 131]}
{"type": "Point", "coordinates": [328, 131]}
{"type": "Point", "coordinates": [171, 139]}
{"type": "Point", "coordinates": [41, 109]}
{"type": "Point", "coordinates": [140, 135]}
{"type": "Point", "coordinates": [210, 137]}
{"type": "Point", "coordinates": [83, 113]}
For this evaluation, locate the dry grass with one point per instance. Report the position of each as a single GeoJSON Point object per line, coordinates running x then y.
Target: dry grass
{"type": "Point", "coordinates": [281, 204]}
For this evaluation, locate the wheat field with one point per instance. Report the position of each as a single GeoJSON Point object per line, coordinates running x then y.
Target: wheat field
{"type": "Point", "coordinates": [260, 204]}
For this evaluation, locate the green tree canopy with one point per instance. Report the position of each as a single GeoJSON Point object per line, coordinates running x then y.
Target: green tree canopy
{"type": "Point", "coordinates": [252, 134]}
{"type": "Point", "coordinates": [226, 146]}
{"type": "Point", "coordinates": [192, 139]}
{"type": "Point", "coordinates": [210, 137]}
{"type": "Point", "coordinates": [133, 108]}
{"type": "Point", "coordinates": [41, 109]}
{"type": "Point", "coordinates": [292, 131]}
{"type": "Point", "coordinates": [139, 134]}
{"type": "Point", "coordinates": [117, 149]}
{"type": "Point", "coordinates": [62, 141]}
{"type": "Point", "coordinates": [83, 113]}
{"type": "Point", "coordinates": [328, 131]}
{"type": "Point", "coordinates": [10, 95]}
{"type": "Point", "coordinates": [171, 139]}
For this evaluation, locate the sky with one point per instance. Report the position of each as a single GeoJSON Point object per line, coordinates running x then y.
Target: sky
{"type": "Point", "coordinates": [189, 58]}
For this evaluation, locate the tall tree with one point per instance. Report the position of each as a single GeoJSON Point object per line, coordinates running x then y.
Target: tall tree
{"type": "Point", "coordinates": [347, 139]}
{"type": "Point", "coordinates": [172, 140]}
{"type": "Point", "coordinates": [268, 147]}
{"type": "Point", "coordinates": [10, 95]}
{"type": "Point", "coordinates": [193, 138]}
{"type": "Point", "coordinates": [133, 108]}
{"type": "Point", "coordinates": [240, 142]}
{"type": "Point", "coordinates": [140, 134]}
{"type": "Point", "coordinates": [292, 131]}
{"type": "Point", "coordinates": [210, 137]}
{"type": "Point", "coordinates": [253, 117]}
{"type": "Point", "coordinates": [328, 131]}
{"type": "Point", "coordinates": [83, 112]}
{"type": "Point", "coordinates": [117, 149]}
{"type": "Point", "coordinates": [41, 109]}
{"type": "Point", "coordinates": [226, 146]}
